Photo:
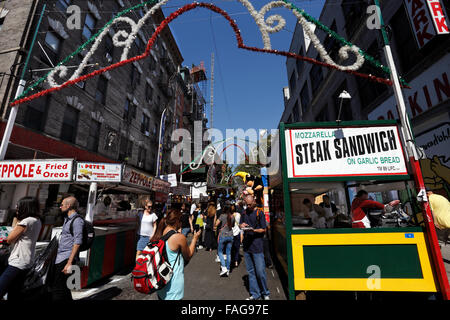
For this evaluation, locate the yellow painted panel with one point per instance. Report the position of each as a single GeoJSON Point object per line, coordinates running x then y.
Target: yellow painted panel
{"type": "Point", "coordinates": [427, 284]}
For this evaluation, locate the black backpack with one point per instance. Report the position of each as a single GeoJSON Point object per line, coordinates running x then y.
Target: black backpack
{"type": "Point", "coordinates": [88, 233]}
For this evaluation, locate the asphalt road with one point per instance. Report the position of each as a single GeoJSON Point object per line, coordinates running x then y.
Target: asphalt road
{"type": "Point", "coordinates": [202, 282]}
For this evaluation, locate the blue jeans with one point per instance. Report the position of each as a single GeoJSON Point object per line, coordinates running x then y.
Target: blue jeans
{"type": "Point", "coordinates": [185, 231]}
{"type": "Point", "coordinates": [256, 269]}
{"type": "Point", "coordinates": [226, 242]}
{"type": "Point", "coordinates": [11, 279]}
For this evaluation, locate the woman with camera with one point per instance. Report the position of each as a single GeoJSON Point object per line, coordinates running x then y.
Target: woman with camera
{"type": "Point", "coordinates": [23, 240]}
{"type": "Point", "coordinates": [176, 248]}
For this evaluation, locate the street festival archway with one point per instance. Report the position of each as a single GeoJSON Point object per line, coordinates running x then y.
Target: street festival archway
{"type": "Point", "coordinates": [272, 24]}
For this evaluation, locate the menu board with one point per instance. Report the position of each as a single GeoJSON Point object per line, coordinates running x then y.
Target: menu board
{"type": "Point", "coordinates": [98, 172]}
{"type": "Point", "coordinates": [36, 170]}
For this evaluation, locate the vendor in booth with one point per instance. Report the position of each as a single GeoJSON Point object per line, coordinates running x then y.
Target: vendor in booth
{"type": "Point", "coordinates": [360, 205]}
{"type": "Point", "coordinates": [102, 207]}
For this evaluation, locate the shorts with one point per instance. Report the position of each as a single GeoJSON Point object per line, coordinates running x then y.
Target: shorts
{"type": "Point", "coordinates": [142, 242]}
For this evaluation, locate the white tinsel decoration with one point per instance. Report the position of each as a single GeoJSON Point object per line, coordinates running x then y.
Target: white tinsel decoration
{"type": "Point", "coordinates": [272, 24]}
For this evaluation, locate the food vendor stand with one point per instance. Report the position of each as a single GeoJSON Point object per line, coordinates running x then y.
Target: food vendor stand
{"type": "Point", "coordinates": [114, 247]}
{"type": "Point", "coordinates": [336, 159]}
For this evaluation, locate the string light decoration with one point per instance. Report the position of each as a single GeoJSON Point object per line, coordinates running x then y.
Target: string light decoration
{"type": "Point", "coordinates": [272, 24]}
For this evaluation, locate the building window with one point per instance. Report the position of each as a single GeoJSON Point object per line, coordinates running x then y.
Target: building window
{"type": "Point", "coordinates": [300, 63]}
{"type": "Point", "coordinates": [109, 48]}
{"type": "Point", "coordinates": [292, 83]}
{"type": "Point", "coordinates": [296, 112]}
{"type": "Point", "coordinates": [63, 5]}
{"type": "Point", "coordinates": [139, 44]}
{"type": "Point", "coordinates": [81, 84]}
{"type": "Point", "coordinates": [70, 124]}
{"type": "Point", "coordinates": [35, 116]}
{"type": "Point", "coordinates": [354, 13]}
{"type": "Point", "coordinates": [89, 25]}
{"type": "Point", "coordinates": [94, 135]}
{"type": "Point", "coordinates": [323, 115]}
{"type": "Point", "coordinates": [331, 44]}
{"type": "Point", "coordinates": [129, 110]}
{"type": "Point", "coordinates": [407, 50]}
{"type": "Point", "coordinates": [53, 42]}
{"type": "Point", "coordinates": [145, 124]}
{"type": "Point", "coordinates": [148, 92]}
{"type": "Point", "coordinates": [100, 94]}
{"type": "Point", "coordinates": [304, 98]}
{"type": "Point", "coordinates": [135, 77]}
{"type": "Point", "coordinates": [114, 9]}
{"type": "Point", "coordinates": [126, 149]}
{"type": "Point", "coordinates": [141, 157]}
{"type": "Point", "coordinates": [316, 76]}
{"type": "Point", "coordinates": [369, 90]}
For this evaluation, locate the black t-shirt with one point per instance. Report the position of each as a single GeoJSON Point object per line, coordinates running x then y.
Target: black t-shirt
{"type": "Point", "coordinates": [185, 220]}
{"type": "Point", "coordinates": [254, 242]}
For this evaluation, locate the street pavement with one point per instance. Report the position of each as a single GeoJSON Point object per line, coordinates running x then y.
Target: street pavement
{"type": "Point", "coordinates": [202, 282]}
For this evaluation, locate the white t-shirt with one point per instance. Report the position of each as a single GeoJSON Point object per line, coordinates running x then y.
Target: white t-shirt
{"type": "Point", "coordinates": [22, 254]}
{"type": "Point", "coordinates": [193, 208]}
{"type": "Point", "coordinates": [237, 219]}
{"type": "Point", "coordinates": [147, 224]}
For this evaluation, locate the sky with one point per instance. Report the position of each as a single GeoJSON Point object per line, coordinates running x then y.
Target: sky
{"type": "Point", "coordinates": [248, 86]}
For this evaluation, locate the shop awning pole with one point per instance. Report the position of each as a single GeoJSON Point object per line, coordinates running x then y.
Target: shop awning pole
{"type": "Point", "coordinates": [20, 89]}
{"type": "Point", "coordinates": [408, 136]}
{"type": "Point", "coordinates": [91, 202]}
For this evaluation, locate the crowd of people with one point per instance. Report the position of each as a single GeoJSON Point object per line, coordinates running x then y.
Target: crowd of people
{"type": "Point", "coordinates": [221, 227]}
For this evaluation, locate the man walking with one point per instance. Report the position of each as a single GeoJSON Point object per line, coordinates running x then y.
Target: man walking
{"type": "Point", "coordinates": [69, 244]}
{"type": "Point", "coordinates": [254, 226]}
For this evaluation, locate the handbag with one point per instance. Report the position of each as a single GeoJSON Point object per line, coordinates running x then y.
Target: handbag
{"type": "Point", "coordinates": [38, 275]}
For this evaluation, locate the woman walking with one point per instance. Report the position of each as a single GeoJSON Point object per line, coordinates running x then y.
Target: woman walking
{"type": "Point", "coordinates": [23, 239]}
{"type": "Point", "coordinates": [147, 225]}
{"type": "Point", "coordinates": [209, 227]}
{"type": "Point", "coordinates": [178, 252]}
{"type": "Point", "coordinates": [237, 237]}
{"type": "Point", "coordinates": [225, 222]}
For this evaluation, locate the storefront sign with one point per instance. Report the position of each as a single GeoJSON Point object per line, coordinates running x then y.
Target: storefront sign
{"type": "Point", "coordinates": [347, 151]}
{"type": "Point", "coordinates": [171, 178]}
{"type": "Point", "coordinates": [135, 178]}
{"type": "Point", "coordinates": [438, 16]}
{"type": "Point", "coordinates": [429, 89]}
{"type": "Point", "coordinates": [36, 170]}
{"type": "Point", "coordinates": [98, 172]}
{"type": "Point", "coordinates": [160, 186]}
{"type": "Point", "coordinates": [182, 190]}
{"type": "Point", "coordinates": [427, 20]}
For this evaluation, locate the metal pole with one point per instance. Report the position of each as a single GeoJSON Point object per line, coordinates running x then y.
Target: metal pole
{"type": "Point", "coordinates": [20, 89]}
{"type": "Point", "coordinates": [414, 161]}
{"type": "Point", "coordinates": [91, 202]}
{"type": "Point", "coordinates": [159, 143]}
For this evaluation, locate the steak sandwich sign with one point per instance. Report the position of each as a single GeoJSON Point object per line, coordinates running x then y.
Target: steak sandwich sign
{"type": "Point", "coordinates": [344, 151]}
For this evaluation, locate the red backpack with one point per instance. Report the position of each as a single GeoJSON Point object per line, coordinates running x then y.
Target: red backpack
{"type": "Point", "coordinates": [153, 270]}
